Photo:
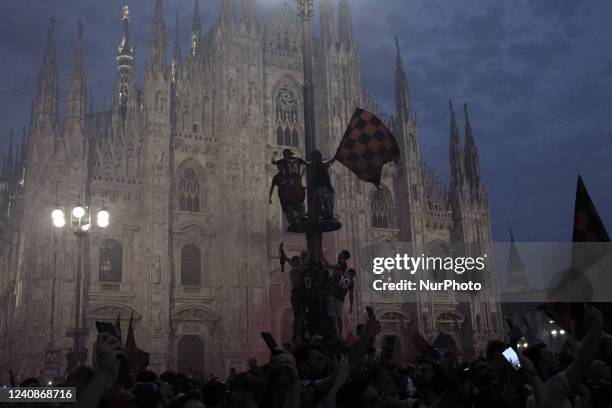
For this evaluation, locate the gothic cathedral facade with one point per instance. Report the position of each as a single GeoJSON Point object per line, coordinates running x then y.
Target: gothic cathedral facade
{"type": "Point", "coordinates": [183, 167]}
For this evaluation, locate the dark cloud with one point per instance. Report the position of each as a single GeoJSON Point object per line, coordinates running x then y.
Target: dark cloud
{"type": "Point", "coordinates": [536, 75]}
{"type": "Point", "coordinates": [562, 9]}
{"type": "Point", "coordinates": [539, 53]}
{"type": "Point", "coordinates": [482, 26]}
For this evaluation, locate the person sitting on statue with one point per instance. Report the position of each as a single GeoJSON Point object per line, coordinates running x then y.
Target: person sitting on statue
{"type": "Point", "coordinates": [291, 192]}
{"type": "Point", "coordinates": [324, 192]}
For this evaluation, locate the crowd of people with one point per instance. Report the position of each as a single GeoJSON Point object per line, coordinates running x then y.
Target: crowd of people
{"type": "Point", "coordinates": [321, 369]}
{"type": "Point", "coordinates": [317, 373]}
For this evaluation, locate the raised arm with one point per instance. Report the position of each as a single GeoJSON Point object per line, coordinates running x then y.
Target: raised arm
{"type": "Point", "coordinates": [587, 350]}
{"type": "Point", "coordinates": [286, 360]}
{"type": "Point", "coordinates": [356, 353]}
{"type": "Point", "coordinates": [108, 351]}
{"type": "Point", "coordinates": [539, 389]}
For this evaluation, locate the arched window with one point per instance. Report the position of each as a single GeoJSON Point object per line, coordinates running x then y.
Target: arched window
{"type": "Point", "coordinates": [191, 266]}
{"type": "Point", "coordinates": [189, 191]}
{"type": "Point", "coordinates": [287, 133]}
{"type": "Point", "coordinates": [111, 261]}
{"type": "Point", "coordinates": [382, 209]}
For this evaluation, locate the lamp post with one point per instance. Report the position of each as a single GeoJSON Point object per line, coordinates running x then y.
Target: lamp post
{"type": "Point", "coordinates": [314, 226]}
{"type": "Point", "coordinates": [80, 221]}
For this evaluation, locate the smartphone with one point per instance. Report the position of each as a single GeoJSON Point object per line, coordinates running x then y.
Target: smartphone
{"type": "Point", "coordinates": [511, 356]}
{"type": "Point", "coordinates": [370, 313]}
{"type": "Point", "coordinates": [271, 343]}
{"type": "Point", "coordinates": [106, 327]}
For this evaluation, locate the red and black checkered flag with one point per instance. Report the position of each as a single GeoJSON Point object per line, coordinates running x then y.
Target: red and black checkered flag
{"type": "Point", "coordinates": [367, 146]}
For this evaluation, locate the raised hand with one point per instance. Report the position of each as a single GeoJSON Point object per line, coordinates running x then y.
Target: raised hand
{"type": "Point", "coordinates": [372, 328]}
{"type": "Point", "coordinates": [108, 352]}
{"type": "Point", "coordinates": [286, 360]}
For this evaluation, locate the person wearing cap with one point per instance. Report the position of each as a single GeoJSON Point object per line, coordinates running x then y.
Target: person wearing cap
{"type": "Point", "coordinates": [289, 166]}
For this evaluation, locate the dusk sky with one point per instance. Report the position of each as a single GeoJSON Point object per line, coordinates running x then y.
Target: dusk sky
{"type": "Point", "coordinates": [537, 75]}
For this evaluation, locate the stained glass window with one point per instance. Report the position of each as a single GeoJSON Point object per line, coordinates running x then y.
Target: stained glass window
{"type": "Point", "coordinates": [287, 133]}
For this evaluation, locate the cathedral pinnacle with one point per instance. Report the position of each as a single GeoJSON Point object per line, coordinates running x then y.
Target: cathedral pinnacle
{"type": "Point", "coordinates": [228, 12]}
{"type": "Point", "coordinates": [517, 279]}
{"type": "Point", "coordinates": [125, 16]}
{"type": "Point", "coordinates": [124, 46]}
{"type": "Point", "coordinates": [345, 25]}
{"type": "Point", "coordinates": [44, 111]}
{"type": "Point", "coordinates": [248, 15]}
{"type": "Point", "coordinates": [402, 94]}
{"type": "Point", "coordinates": [75, 99]}
{"type": "Point", "coordinates": [157, 42]}
{"type": "Point", "coordinates": [326, 23]}
{"type": "Point", "coordinates": [124, 94]}
{"type": "Point", "coordinates": [456, 159]}
{"type": "Point", "coordinates": [472, 161]}
{"type": "Point", "coordinates": [196, 29]}
{"type": "Point", "coordinates": [176, 51]}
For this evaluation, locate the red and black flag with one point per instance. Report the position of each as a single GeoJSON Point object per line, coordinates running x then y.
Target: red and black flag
{"type": "Point", "coordinates": [137, 360]}
{"type": "Point", "coordinates": [588, 227]}
{"type": "Point", "coordinates": [367, 146]}
{"type": "Point", "coordinates": [576, 286]}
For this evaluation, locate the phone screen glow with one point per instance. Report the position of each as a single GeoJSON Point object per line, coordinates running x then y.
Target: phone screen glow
{"type": "Point", "coordinates": [510, 355]}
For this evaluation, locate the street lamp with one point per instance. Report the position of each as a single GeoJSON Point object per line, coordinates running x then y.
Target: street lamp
{"type": "Point", "coordinates": [80, 221]}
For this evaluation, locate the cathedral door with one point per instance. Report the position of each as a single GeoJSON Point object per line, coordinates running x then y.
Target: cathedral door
{"type": "Point", "coordinates": [190, 355]}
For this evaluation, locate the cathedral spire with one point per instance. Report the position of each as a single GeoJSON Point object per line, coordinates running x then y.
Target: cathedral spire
{"type": "Point", "coordinates": [176, 50]}
{"type": "Point", "coordinates": [158, 44]}
{"type": "Point", "coordinates": [196, 29]}
{"type": "Point", "coordinates": [472, 162]}
{"type": "Point", "coordinates": [248, 15]}
{"type": "Point", "coordinates": [517, 279]}
{"type": "Point", "coordinates": [125, 89]}
{"type": "Point", "coordinates": [345, 25]}
{"type": "Point", "coordinates": [75, 100]}
{"type": "Point", "coordinates": [125, 47]}
{"type": "Point", "coordinates": [44, 112]}
{"type": "Point", "coordinates": [456, 160]}
{"type": "Point", "coordinates": [228, 13]}
{"type": "Point", "coordinates": [402, 94]}
{"type": "Point", "coordinates": [326, 23]}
